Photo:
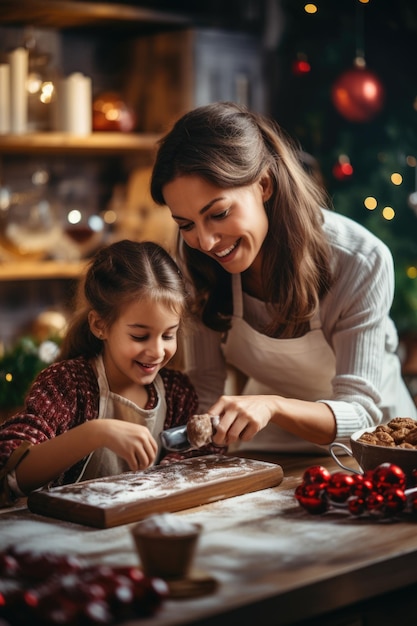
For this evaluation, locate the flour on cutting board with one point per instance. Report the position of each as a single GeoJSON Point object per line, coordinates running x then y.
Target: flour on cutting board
{"type": "Point", "coordinates": [156, 482]}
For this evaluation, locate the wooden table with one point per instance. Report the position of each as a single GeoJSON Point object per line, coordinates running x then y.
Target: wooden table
{"type": "Point", "coordinates": [274, 562]}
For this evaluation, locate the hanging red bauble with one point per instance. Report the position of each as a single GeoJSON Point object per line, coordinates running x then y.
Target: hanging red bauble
{"type": "Point", "coordinates": [358, 94]}
{"type": "Point", "coordinates": [300, 66]}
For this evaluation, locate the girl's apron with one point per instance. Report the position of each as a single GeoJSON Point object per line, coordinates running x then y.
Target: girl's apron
{"type": "Point", "coordinates": [300, 368]}
{"type": "Point", "coordinates": [104, 462]}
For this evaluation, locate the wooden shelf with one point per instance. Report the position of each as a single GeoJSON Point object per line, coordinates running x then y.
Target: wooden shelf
{"type": "Point", "coordinates": [40, 270]}
{"type": "Point", "coordinates": [66, 143]}
{"type": "Point", "coordinates": [73, 14]}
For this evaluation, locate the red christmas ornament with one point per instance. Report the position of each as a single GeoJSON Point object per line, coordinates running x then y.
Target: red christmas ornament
{"type": "Point", "coordinates": [316, 474]}
{"type": "Point", "coordinates": [340, 486]}
{"type": "Point", "coordinates": [394, 501]}
{"type": "Point", "coordinates": [358, 94]}
{"type": "Point", "coordinates": [356, 505]}
{"type": "Point", "coordinates": [362, 486]}
{"type": "Point", "coordinates": [388, 475]}
{"type": "Point", "coordinates": [375, 503]}
{"type": "Point", "coordinates": [312, 498]}
{"type": "Point", "coordinates": [301, 66]}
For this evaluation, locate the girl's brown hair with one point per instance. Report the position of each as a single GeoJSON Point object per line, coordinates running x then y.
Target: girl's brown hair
{"type": "Point", "coordinates": [230, 146]}
{"type": "Point", "coordinates": [117, 275]}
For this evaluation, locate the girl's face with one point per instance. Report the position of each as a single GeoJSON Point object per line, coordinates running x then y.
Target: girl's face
{"type": "Point", "coordinates": [138, 344]}
{"type": "Point", "coordinates": [229, 225]}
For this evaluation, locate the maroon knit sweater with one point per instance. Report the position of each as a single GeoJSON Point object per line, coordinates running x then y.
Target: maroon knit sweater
{"type": "Point", "coordinates": [66, 394]}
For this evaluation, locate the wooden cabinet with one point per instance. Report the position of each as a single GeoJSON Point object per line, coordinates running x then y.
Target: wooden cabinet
{"type": "Point", "coordinates": [28, 287]}
{"type": "Point", "coordinates": [162, 66]}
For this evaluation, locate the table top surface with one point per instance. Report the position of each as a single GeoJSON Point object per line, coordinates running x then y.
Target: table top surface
{"type": "Point", "coordinates": [265, 552]}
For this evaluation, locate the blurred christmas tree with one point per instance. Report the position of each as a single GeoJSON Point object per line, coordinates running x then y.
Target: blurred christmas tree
{"type": "Point", "coordinates": [369, 165]}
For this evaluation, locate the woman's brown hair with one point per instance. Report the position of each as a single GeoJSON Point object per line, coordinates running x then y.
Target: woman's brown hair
{"type": "Point", "coordinates": [230, 146]}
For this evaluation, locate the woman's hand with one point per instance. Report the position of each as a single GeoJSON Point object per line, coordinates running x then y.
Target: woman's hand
{"type": "Point", "coordinates": [241, 417]}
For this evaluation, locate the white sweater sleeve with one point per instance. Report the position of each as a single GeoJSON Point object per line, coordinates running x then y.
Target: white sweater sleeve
{"type": "Point", "coordinates": [367, 387]}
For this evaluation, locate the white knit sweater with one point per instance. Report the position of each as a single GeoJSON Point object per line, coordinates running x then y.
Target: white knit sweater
{"type": "Point", "coordinates": [368, 388]}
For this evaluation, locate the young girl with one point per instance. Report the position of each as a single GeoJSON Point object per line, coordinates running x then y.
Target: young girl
{"type": "Point", "coordinates": [293, 295]}
{"type": "Point", "coordinates": [100, 408]}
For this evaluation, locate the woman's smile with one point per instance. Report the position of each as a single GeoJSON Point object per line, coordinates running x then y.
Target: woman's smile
{"type": "Point", "coordinates": [230, 225]}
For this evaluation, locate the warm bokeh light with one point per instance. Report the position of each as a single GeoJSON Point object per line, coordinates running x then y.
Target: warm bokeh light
{"type": "Point", "coordinates": [9, 377]}
{"type": "Point", "coordinates": [412, 271]}
{"type": "Point", "coordinates": [388, 213]}
{"type": "Point", "coordinates": [370, 203]}
{"type": "Point", "coordinates": [310, 8]}
{"type": "Point", "coordinates": [411, 160]}
{"type": "Point", "coordinates": [74, 216]}
{"type": "Point", "coordinates": [396, 178]}
{"type": "Point", "coordinates": [364, 1]}
{"type": "Point", "coordinates": [110, 216]}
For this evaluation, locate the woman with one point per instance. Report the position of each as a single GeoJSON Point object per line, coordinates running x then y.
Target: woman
{"type": "Point", "coordinates": [291, 294]}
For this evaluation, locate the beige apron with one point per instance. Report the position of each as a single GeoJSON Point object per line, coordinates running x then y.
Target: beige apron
{"type": "Point", "coordinates": [300, 368]}
{"type": "Point", "coordinates": [104, 462]}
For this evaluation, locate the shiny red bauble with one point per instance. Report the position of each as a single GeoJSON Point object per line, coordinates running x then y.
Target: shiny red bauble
{"type": "Point", "coordinates": [316, 474]}
{"type": "Point", "coordinates": [356, 505]}
{"type": "Point", "coordinates": [340, 486]}
{"type": "Point", "coordinates": [358, 94]}
{"type": "Point", "coordinates": [380, 493]}
{"type": "Point", "coordinates": [362, 486]}
{"type": "Point", "coordinates": [395, 501]}
{"type": "Point", "coordinates": [389, 475]}
{"type": "Point", "coordinates": [312, 497]}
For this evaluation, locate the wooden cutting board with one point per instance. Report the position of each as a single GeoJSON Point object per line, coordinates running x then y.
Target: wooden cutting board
{"type": "Point", "coordinates": [129, 497]}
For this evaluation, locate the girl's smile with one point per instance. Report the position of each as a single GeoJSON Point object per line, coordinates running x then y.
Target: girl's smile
{"type": "Point", "coordinates": [139, 343]}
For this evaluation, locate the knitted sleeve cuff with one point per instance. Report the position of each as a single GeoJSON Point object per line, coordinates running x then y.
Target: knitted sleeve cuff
{"type": "Point", "coordinates": [7, 496]}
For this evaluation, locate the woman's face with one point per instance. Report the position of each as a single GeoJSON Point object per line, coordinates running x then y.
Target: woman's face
{"type": "Point", "coordinates": [229, 225]}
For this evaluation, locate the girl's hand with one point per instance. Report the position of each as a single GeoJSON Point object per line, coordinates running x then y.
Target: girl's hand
{"type": "Point", "coordinates": [132, 442]}
{"type": "Point", "coordinates": [241, 417]}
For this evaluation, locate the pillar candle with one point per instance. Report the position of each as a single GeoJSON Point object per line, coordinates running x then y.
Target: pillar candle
{"type": "Point", "coordinates": [4, 98]}
{"type": "Point", "coordinates": [77, 104]}
{"type": "Point", "coordinates": [18, 60]}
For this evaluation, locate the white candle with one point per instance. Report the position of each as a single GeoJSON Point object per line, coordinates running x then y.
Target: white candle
{"type": "Point", "coordinates": [77, 104]}
{"type": "Point", "coordinates": [4, 98]}
{"type": "Point", "coordinates": [18, 60]}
